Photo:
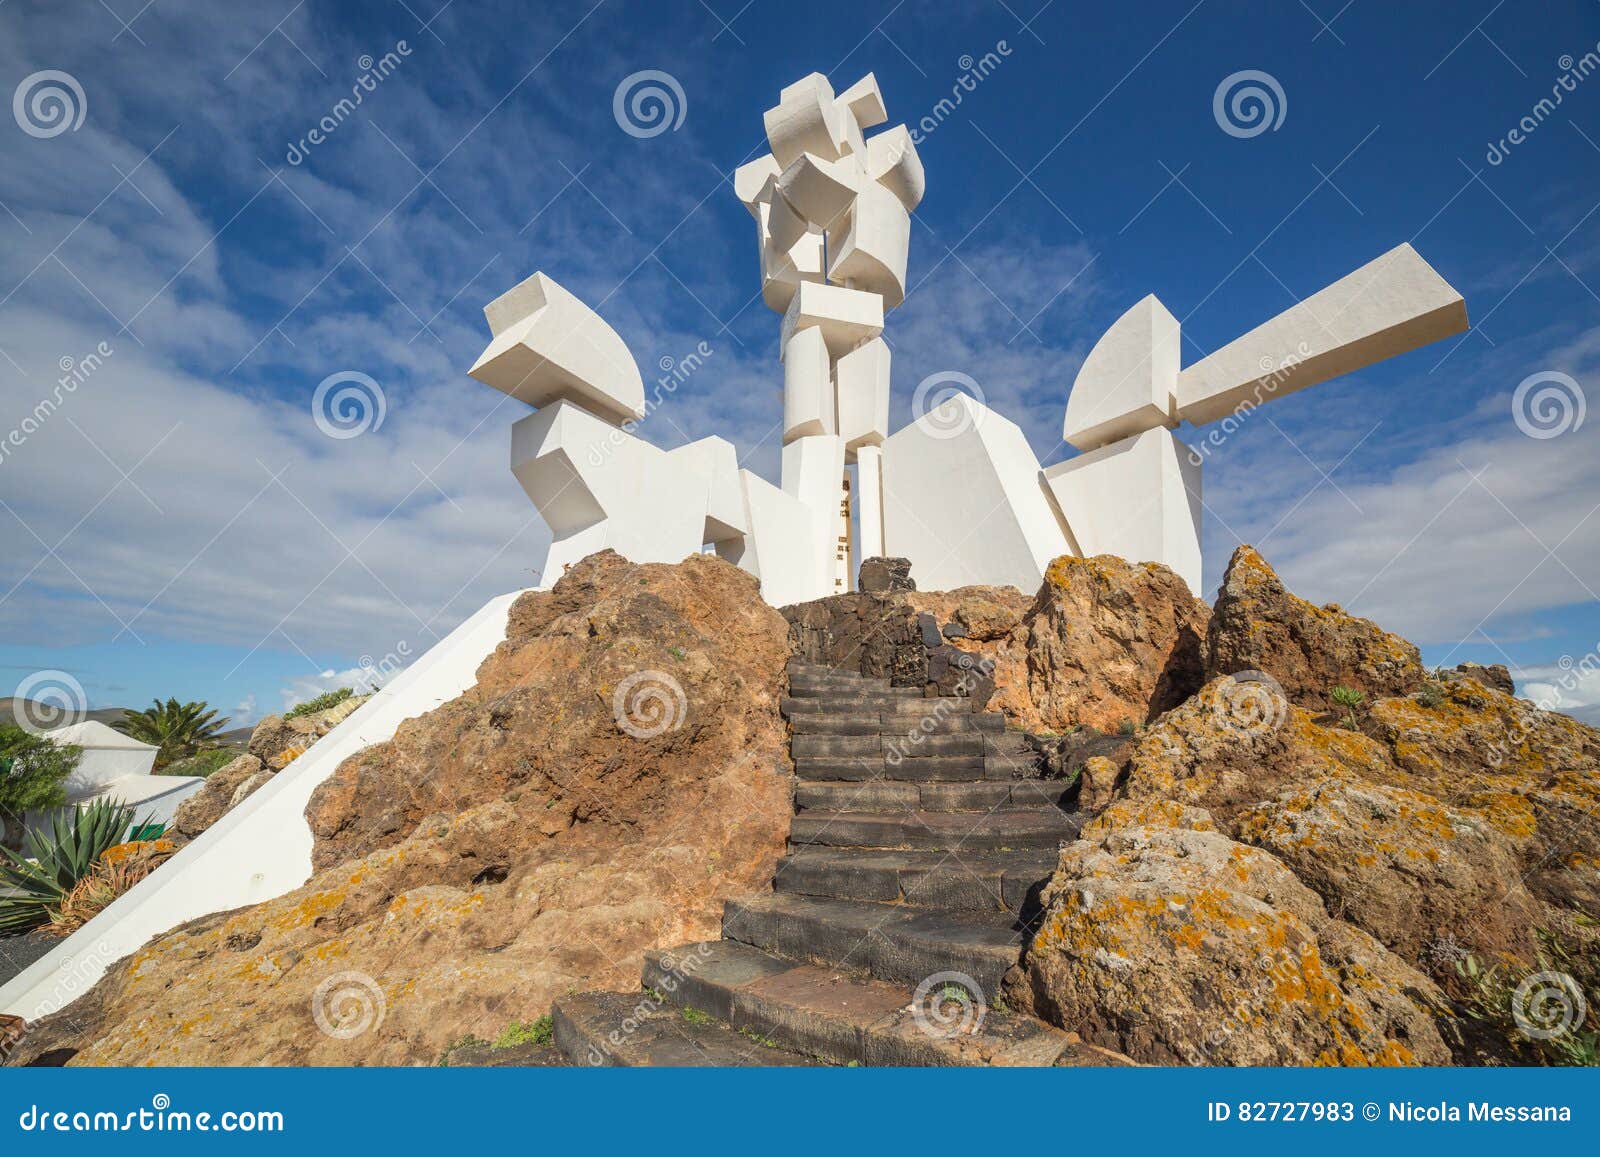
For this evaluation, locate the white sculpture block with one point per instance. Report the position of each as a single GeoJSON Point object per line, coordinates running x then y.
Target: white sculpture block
{"type": "Point", "coordinates": [868, 248]}
{"type": "Point", "coordinates": [779, 550]}
{"type": "Point", "coordinates": [846, 317]}
{"type": "Point", "coordinates": [863, 392]}
{"type": "Point", "coordinates": [892, 159]}
{"type": "Point", "coordinates": [782, 272]}
{"type": "Point", "coordinates": [1129, 381]}
{"type": "Point", "coordinates": [808, 407]}
{"type": "Point", "coordinates": [813, 473]}
{"type": "Point", "coordinates": [869, 501]}
{"type": "Point", "coordinates": [805, 121]}
{"type": "Point", "coordinates": [717, 462]}
{"type": "Point", "coordinates": [1138, 498]}
{"type": "Point", "coordinates": [818, 190]}
{"type": "Point", "coordinates": [598, 487]}
{"type": "Point", "coordinates": [963, 500]}
{"type": "Point", "coordinates": [750, 181]}
{"type": "Point", "coordinates": [1387, 307]}
{"type": "Point", "coordinates": [549, 346]}
{"type": "Point", "coordinates": [865, 101]}
{"type": "Point", "coordinates": [781, 226]}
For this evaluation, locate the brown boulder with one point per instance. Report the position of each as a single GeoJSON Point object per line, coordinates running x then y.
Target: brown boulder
{"type": "Point", "coordinates": [277, 740]}
{"type": "Point", "coordinates": [510, 846]}
{"type": "Point", "coordinates": [1170, 942]}
{"type": "Point", "coordinates": [224, 789]}
{"type": "Point", "coordinates": [1258, 625]}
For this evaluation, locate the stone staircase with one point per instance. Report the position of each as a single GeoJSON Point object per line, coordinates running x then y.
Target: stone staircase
{"type": "Point", "coordinates": [919, 846]}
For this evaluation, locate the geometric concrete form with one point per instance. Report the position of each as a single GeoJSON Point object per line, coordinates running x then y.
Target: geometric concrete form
{"type": "Point", "coordinates": [892, 160]}
{"type": "Point", "coordinates": [781, 225]}
{"type": "Point", "coordinates": [1127, 383]}
{"type": "Point", "coordinates": [846, 317]}
{"type": "Point", "coordinates": [261, 848]}
{"type": "Point", "coordinates": [869, 500]}
{"type": "Point", "coordinates": [599, 487]}
{"type": "Point", "coordinates": [715, 460]}
{"type": "Point", "coordinates": [750, 180]}
{"type": "Point", "coordinates": [781, 271]}
{"type": "Point", "coordinates": [1387, 307]}
{"type": "Point", "coordinates": [865, 101]}
{"type": "Point", "coordinates": [813, 473]}
{"type": "Point", "coordinates": [820, 190]}
{"type": "Point", "coordinates": [549, 346]}
{"type": "Point", "coordinates": [868, 246]}
{"type": "Point", "coordinates": [805, 121]}
{"type": "Point", "coordinates": [862, 387]}
{"type": "Point", "coordinates": [962, 499]}
{"type": "Point", "coordinates": [1138, 498]}
{"type": "Point", "coordinates": [808, 407]}
{"type": "Point", "coordinates": [780, 549]}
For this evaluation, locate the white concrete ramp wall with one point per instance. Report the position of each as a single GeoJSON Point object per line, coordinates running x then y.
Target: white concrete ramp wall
{"type": "Point", "coordinates": [262, 848]}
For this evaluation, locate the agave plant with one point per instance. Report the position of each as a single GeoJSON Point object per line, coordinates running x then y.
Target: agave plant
{"type": "Point", "coordinates": [53, 863]}
{"type": "Point", "coordinates": [179, 730]}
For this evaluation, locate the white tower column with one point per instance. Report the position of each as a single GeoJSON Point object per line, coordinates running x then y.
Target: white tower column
{"type": "Point", "coordinates": [869, 499]}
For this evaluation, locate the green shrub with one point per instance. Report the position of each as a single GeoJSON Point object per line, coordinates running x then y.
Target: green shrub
{"type": "Point", "coordinates": [52, 864]}
{"type": "Point", "coordinates": [1432, 696]}
{"type": "Point", "coordinates": [33, 774]}
{"type": "Point", "coordinates": [538, 1032]}
{"type": "Point", "coordinates": [204, 763]}
{"type": "Point", "coordinates": [321, 703]}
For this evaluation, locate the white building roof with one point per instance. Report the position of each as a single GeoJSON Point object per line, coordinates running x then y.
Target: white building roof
{"type": "Point", "coordinates": [91, 733]}
{"type": "Point", "coordinates": [135, 790]}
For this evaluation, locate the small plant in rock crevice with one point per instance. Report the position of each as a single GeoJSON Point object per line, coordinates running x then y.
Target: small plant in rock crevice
{"type": "Point", "coordinates": [1351, 700]}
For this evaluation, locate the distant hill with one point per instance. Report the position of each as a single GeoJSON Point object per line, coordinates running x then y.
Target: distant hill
{"type": "Point", "coordinates": [106, 715]}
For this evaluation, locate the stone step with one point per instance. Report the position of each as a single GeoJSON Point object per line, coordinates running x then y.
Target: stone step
{"type": "Point", "coordinates": [885, 795]}
{"type": "Point", "coordinates": [629, 1029]}
{"type": "Point", "coordinates": [917, 767]}
{"type": "Point", "coordinates": [959, 743]}
{"type": "Point", "coordinates": [988, 882]}
{"type": "Point", "coordinates": [891, 942]}
{"type": "Point", "coordinates": [841, 695]}
{"type": "Point", "coordinates": [802, 668]}
{"type": "Point", "coordinates": [902, 726]}
{"type": "Point", "coordinates": [821, 1012]}
{"type": "Point", "coordinates": [1011, 829]}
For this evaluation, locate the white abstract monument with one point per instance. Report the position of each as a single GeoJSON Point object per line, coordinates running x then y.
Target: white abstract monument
{"type": "Point", "coordinates": [959, 491]}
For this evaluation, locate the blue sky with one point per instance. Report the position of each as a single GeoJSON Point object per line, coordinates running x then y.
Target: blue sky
{"type": "Point", "coordinates": [180, 526]}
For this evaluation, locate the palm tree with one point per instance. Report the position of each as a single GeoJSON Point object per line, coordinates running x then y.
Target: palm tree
{"type": "Point", "coordinates": [179, 730]}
